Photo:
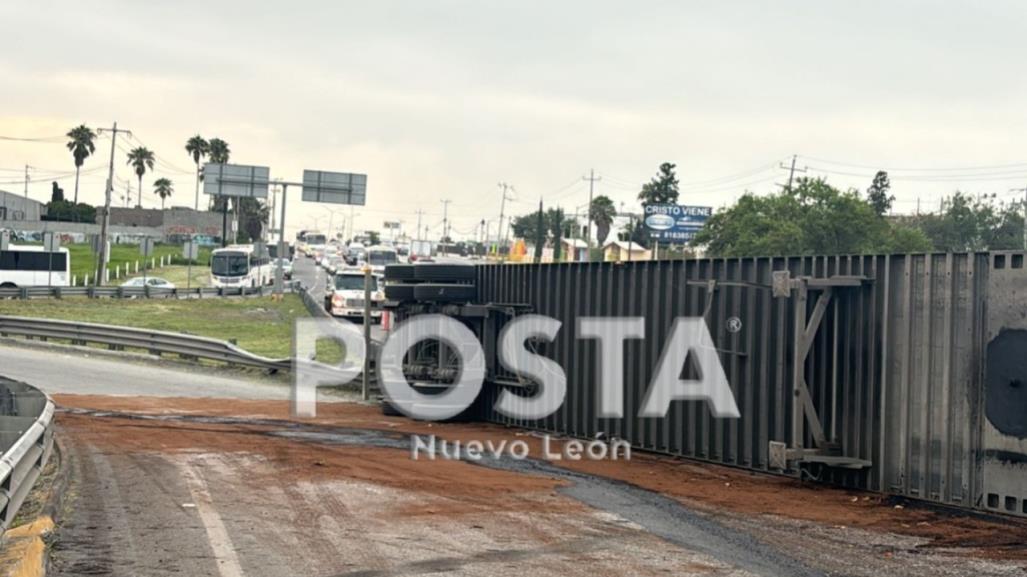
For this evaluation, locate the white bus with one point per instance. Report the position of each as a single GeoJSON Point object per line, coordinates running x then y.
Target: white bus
{"type": "Point", "coordinates": [23, 266]}
{"type": "Point", "coordinates": [313, 241]}
{"type": "Point", "coordinates": [380, 256]}
{"type": "Point", "coordinates": [239, 266]}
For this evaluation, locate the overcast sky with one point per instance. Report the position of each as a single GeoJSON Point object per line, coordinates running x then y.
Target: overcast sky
{"type": "Point", "coordinates": [444, 99]}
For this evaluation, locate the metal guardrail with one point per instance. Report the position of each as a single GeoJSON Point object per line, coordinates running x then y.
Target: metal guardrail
{"type": "Point", "coordinates": [157, 342]}
{"type": "Point", "coordinates": [26, 438]}
{"type": "Point", "coordinates": [130, 292]}
{"type": "Point", "coordinates": [315, 308]}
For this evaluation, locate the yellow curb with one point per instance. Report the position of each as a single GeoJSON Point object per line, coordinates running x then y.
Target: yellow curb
{"type": "Point", "coordinates": [24, 552]}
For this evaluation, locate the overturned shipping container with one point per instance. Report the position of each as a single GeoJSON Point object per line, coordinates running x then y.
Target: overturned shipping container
{"type": "Point", "coordinates": [902, 374]}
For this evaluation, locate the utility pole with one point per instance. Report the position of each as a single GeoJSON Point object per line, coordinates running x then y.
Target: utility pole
{"type": "Point", "coordinates": [352, 231]}
{"type": "Point", "coordinates": [27, 167]}
{"type": "Point", "coordinates": [792, 170]}
{"type": "Point", "coordinates": [502, 208]}
{"type": "Point", "coordinates": [1024, 191]}
{"type": "Point", "coordinates": [105, 220]}
{"type": "Point", "coordinates": [591, 178]}
{"type": "Point", "coordinates": [420, 213]}
{"type": "Point", "coordinates": [445, 220]}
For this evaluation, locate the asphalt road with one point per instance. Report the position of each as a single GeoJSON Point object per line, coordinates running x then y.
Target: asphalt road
{"type": "Point", "coordinates": [58, 370]}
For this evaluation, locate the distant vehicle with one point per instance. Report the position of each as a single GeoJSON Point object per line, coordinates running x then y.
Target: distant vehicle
{"type": "Point", "coordinates": [286, 266]}
{"type": "Point", "coordinates": [334, 264]}
{"type": "Point", "coordinates": [24, 266]}
{"type": "Point", "coordinates": [272, 250]}
{"type": "Point", "coordinates": [152, 282]}
{"type": "Point", "coordinates": [313, 241]}
{"type": "Point", "coordinates": [239, 266]}
{"type": "Point", "coordinates": [403, 249]}
{"type": "Point", "coordinates": [420, 248]}
{"type": "Point", "coordinates": [355, 253]}
{"type": "Point", "coordinates": [380, 256]}
{"type": "Point", "coordinates": [344, 295]}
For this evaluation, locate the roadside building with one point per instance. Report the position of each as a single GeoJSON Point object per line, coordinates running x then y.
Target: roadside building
{"type": "Point", "coordinates": [176, 223]}
{"type": "Point", "coordinates": [574, 250]}
{"type": "Point", "coordinates": [17, 208]}
{"type": "Point", "coordinates": [618, 250]}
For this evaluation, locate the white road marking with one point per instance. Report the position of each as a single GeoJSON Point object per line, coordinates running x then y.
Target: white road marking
{"type": "Point", "coordinates": [217, 535]}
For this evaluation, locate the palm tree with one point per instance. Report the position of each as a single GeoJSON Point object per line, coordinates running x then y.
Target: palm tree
{"type": "Point", "coordinates": [141, 158]}
{"type": "Point", "coordinates": [197, 147]}
{"type": "Point", "coordinates": [163, 188]}
{"type": "Point", "coordinates": [81, 146]}
{"type": "Point", "coordinates": [602, 213]}
{"type": "Point", "coordinates": [218, 151]}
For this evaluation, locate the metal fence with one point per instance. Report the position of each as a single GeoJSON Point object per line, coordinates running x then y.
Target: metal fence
{"type": "Point", "coordinates": [43, 292]}
{"type": "Point", "coordinates": [156, 342]}
{"type": "Point", "coordinates": [910, 367]}
{"type": "Point", "coordinates": [26, 439]}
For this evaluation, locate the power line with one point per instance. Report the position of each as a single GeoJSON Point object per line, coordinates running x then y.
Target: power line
{"type": "Point", "coordinates": [48, 139]}
{"type": "Point", "coordinates": [1021, 165]}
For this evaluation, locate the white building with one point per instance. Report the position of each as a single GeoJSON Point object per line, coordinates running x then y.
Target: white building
{"type": "Point", "coordinates": [16, 208]}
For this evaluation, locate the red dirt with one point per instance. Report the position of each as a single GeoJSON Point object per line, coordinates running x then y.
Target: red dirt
{"type": "Point", "coordinates": [706, 486]}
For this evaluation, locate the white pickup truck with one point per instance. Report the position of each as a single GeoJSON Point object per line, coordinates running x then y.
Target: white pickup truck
{"type": "Point", "coordinates": [344, 294]}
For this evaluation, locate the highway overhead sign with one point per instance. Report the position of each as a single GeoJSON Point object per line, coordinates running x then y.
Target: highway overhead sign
{"type": "Point", "coordinates": [334, 187]}
{"type": "Point", "coordinates": [236, 180]}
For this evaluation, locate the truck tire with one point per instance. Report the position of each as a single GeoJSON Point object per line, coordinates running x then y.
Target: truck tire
{"type": "Point", "coordinates": [445, 293]}
{"type": "Point", "coordinates": [399, 272]}
{"type": "Point", "coordinates": [399, 292]}
{"type": "Point", "coordinates": [444, 272]}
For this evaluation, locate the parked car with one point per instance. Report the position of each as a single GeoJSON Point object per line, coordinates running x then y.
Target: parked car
{"type": "Point", "coordinates": [344, 294]}
{"type": "Point", "coordinates": [152, 282]}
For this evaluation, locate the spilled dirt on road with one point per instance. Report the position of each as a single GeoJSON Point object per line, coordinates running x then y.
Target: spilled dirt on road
{"type": "Point", "coordinates": [716, 490]}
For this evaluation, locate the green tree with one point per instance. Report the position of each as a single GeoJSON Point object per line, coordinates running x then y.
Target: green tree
{"type": "Point", "coordinates": [878, 195]}
{"type": "Point", "coordinates": [663, 188]}
{"type": "Point", "coordinates": [218, 151]}
{"type": "Point", "coordinates": [970, 223]}
{"type": "Point", "coordinates": [525, 226]}
{"type": "Point", "coordinates": [635, 232]}
{"type": "Point", "coordinates": [811, 218]}
{"type": "Point", "coordinates": [81, 143]}
{"type": "Point", "coordinates": [559, 226]}
{"type": "Point", "coordinates": [141, 159]}
{"type": "Point", "coordinates": [163, 188]}
{"type": "Point", "coordinates": [602, 213]}
{"type": "Point", "coordinates": [197, 148]}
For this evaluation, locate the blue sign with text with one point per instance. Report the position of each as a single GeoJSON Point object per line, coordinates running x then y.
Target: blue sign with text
{"type": "Point", "coordinates": [673, 222]}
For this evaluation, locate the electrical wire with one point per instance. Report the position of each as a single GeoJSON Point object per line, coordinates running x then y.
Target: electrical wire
{"type": "Point", "coordinates": [1021, 165]}
{"type": "Point", "coordinates": [46, 139]}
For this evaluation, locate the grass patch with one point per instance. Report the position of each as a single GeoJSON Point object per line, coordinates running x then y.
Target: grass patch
{"type": "Point", "coordinates": [83, 259]}
{"type": "Point", "coordinates": [259, 325]}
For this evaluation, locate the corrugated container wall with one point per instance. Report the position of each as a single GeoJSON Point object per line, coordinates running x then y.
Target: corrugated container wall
{"type": "Point", "coordinates": [896, 371]}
